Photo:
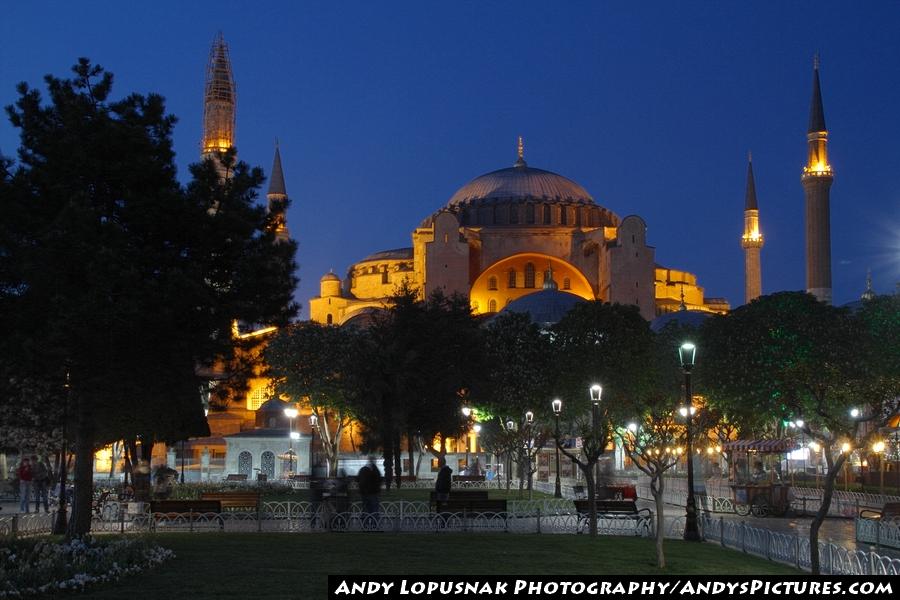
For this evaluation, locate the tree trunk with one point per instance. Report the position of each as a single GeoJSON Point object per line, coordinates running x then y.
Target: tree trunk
{"type": "Point", "coordinates": [834, 467]}
{"type": "Point", "coordinates": [80, 522]}
{"type": "Point", "coordinates": [592, 498]}
{"type": "Point", "coordinates": [657, 485]}
{"type": "Point", "coordinates": [398, 460]}
{"type": "Point", "coordinates": [410, 440]}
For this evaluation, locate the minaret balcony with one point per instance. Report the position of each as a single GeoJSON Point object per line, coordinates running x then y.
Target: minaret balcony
{"type": "Point", "coordinates": [752, 241]}
{"type": "Point", "coordinates": [818, 171]}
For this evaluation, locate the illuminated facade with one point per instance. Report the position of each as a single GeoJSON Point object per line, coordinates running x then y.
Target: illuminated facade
{"type": "Point", "coordinates": [752, 240]}
{"type": "Point", "coordinates": [498, 235]}
{"type": "Point", "coordinates": [817, 178]}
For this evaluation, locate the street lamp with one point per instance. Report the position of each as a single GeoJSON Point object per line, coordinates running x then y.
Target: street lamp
{"type": "Point", "coordinates": [557, 408]}
{"type": "Point", "coordinates": [878, 448]}
{"type": "Point", "coordinates": [687, 353]}
{"type": "Point", "coordinates": [60, 525]}
{"type": "Point", "coordinates": [313, 419]}
{"type": "Point", "coordinates": [596, 391]}
{"type": "Point", "coordinates": [510, 426]}
{"type": "Point", "coordinates": [291, 414]}
{"type": "Point", "coordinates": [529, 420]}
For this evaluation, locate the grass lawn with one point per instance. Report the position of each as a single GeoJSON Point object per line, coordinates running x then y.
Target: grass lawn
{"type": "Point", "coordinates": [283, 566]}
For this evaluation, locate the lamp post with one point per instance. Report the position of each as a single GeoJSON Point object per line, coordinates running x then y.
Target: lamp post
{"type": "Point", "coordinates": [313, 419]}
{"type": "Point", "coordinates": [510, 427]}
{"type": "Point", "coordinates": [60, 526]}
{"type": "Point", "coordinates": [529, 420]}
{"type": "Point", "coordinates": [557, 408]}
{"type": "Point", "coordinates": [687, 353]}
{"type": "Point", "coordinates": [182, 461]}
{"type": "Point", "coordinates": [596, 392]}
{"type": "Point", "coordinates": [291, 414]}
{"type": "Point", "coordinates": [878, 448]}
{"type": "Point", "coordinates": [467, 413]}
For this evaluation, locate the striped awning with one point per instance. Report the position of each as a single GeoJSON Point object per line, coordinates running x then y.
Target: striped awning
{"type": "Point", "coordinates": [762, 445]}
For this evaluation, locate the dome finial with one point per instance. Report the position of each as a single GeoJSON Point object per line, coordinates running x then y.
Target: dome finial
{"type": "Point", "coordinates": [549, 283]}
{"type": "Point", "coordinates": [520, 151]}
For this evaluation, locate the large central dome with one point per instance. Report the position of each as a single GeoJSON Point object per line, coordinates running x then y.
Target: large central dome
{"type": "Point", "coordinates": [517, 183]}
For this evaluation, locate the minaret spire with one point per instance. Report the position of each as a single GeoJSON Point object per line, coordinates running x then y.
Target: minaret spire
{"type": "Point", "coordinates": [752, 240]}
{"type": "Point", "coordinates": [219, 101]}
{"type": "Point", "coordinates": [869, 293]}
{"type": "Point", "coordinates": [817, 178]}
{"type": "Point", "coordinates": [277, 197]}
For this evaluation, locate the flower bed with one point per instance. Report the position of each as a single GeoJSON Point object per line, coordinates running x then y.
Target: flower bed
{"type": "Point", "coordinates": [36, 568]}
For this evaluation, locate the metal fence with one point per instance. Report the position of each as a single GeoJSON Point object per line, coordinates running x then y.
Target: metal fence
{"type": "Point", "coordinates": [791, 549]}
{"type": "Point", "coordinates": [879, 532]}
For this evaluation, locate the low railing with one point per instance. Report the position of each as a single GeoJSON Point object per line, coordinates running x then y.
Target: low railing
{"type": "Point", "coordinates": [791, 549]}
{"type": "Point", "coordinates": [878, 532]}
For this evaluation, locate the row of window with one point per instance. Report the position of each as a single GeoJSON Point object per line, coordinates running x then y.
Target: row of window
{"type": "Point", "coordinates": [512, 279]}
{"type": "Point", "coordinates": [499, 215]}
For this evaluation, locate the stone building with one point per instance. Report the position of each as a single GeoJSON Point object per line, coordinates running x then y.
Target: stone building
{"type": "Point", "coordinates": [497, 236]}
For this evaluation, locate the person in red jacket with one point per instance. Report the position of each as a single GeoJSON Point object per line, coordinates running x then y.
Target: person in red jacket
{"type": "Point", "coordinates": [24, 473]}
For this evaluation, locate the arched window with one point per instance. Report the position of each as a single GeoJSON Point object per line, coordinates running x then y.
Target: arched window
{"type": "Point", "coordinates": [329, 319]}
{"type": "Point", "coordinates": [529, 214]}
{"type": "Point", "coordinates": [529, 275]}
{"type": "Point", "coordinates": [514, 214]}
{"type": "Point", "coordinates": [563, 215]}
{"type": "Point", "coordinates": [267, 464]}
{"type": "Point", "coordinates": [492, 283]}
{"type": "Point", "coordinates": [567, 283]}
{"type": "Point", "coordinates": [492, 306]}
{"type": "Point", "coordinates": [245, 463]}
{"type": "Point", "coordinates": [547, 218]}
{"type": "Point", "coordinates": [511, 278]}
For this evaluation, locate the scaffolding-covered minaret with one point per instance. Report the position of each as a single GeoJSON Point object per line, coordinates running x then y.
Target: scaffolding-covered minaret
{"type": "Point", "coordinates": [219, 101]}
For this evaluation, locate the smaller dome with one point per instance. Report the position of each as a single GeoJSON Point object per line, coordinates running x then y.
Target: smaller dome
{"type": "Point", "coordinates": [546, 307]}
{"type": "Point", "coordinates": [684, 318]}
{"type": "Point", "coordinates": [330, 277]}
{"type": "Point", "coordinates": [274, 405]}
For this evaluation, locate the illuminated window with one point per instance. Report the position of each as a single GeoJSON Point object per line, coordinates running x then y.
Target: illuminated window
{"type": "Point", "coordinates": [492, 306]}
{"type": "Point", "coordinates": [256, 398]}
{"type": "Point", "coordinates": [529, 275]}
{"type": "Point", "coordinates": [385, 278]}
{"type": "Point", "coordinates": [567, 283]}
{"type": "Point", "coordinates": [267, 464]}
{"type": "Point", "coordinates": [492, 283]}
{"type": "Point", "coordinates": [511, 278]}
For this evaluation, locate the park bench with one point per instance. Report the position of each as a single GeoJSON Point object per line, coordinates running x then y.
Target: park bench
{"type": "Point", "coordinates": [468, 478]}
{"type": "Point", "coordinates": [234, 501]}
{"type": "Point", "coordinates": [617, 510]}
{"type": "Point", "coordinates": [889, 512]}
{"type": "Point", "coordinates": [472, 506]}
{"type": "Point", "coordinates": [190, 509]}
{"type": "Point", "coordinates": [460, 495]}
{"type": "Point", "coordinates": [236, 477]}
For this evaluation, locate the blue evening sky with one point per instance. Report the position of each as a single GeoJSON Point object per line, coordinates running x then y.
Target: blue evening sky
{"type": "Point", "coordinates": [384, 109]}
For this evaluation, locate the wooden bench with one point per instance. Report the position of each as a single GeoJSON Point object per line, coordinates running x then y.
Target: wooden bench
{"type": "Point", "coordinates": [193, 509]}
{"type": "Point", "coordinates": [460, 495]}
{"type": "Point", "coordinates": [889, 512]}
{"type": "Point", "coordinates": [472, 507]}
{"type": "Point", "coordinates": [617, 510]}
{"type": "Point", "coordinates": [468, 478]}
{"type": "Point", "coordinates": [232, 501]}
{"type": "Point", "coordinates": [236, 477]}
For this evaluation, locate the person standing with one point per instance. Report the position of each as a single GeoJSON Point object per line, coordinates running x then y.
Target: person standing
{"type": "Point", "coordinates": [443, 482]}
{"type": "Point", "coordinates": [369, 480]}
{"type": "Point", "coordinates": [40, 477]}
{"type": "Point", "coordinates": [24, 473]}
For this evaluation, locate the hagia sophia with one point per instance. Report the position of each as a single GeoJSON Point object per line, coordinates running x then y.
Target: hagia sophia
{"type": "Point", "coordinates": [516, 238]}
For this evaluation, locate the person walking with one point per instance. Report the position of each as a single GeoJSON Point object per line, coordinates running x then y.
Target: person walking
{"type": "Point", "coordinates": [369, 480]}
{"type": "Point", "coordinates": [25, 477]}
{"type": "Point", "coordinates": [443, 482]}
{"type": "Point", "coordinates": [40, 477]}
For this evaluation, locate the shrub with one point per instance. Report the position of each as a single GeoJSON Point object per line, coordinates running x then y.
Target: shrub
{"type": "Point", "coordinates": [39, 567]}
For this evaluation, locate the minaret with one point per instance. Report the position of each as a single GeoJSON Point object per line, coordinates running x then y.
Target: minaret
{"type": "Point", "coordinates": [817, 178]}
{"type": "Point", "coordinates": [277, 197]}
{"type": "Point", "coordinates": [219, 101]}
{"type": "Point", "coordinates": [869, 294]}
{"type": "Point", "coordinates": [752, 240]}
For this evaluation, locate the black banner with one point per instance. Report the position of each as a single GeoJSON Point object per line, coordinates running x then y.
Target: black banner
{"type": "Point", "coordinates": [536, 588]}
